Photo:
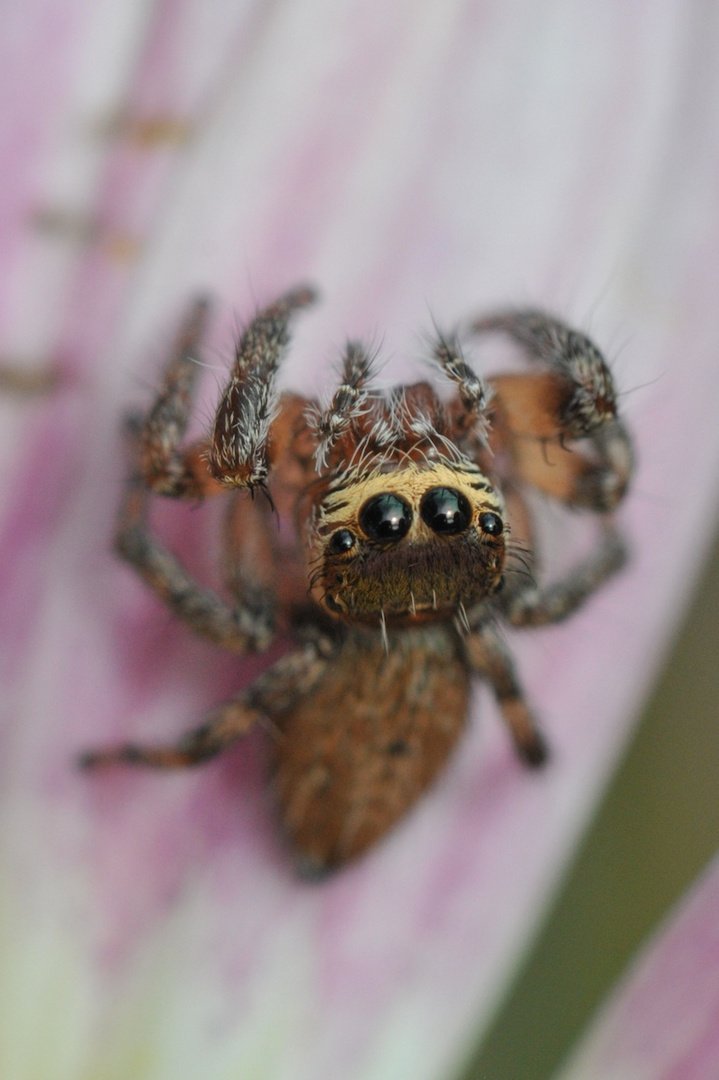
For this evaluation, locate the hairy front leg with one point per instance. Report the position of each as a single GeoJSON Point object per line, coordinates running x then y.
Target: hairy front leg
{"type": "Point", "coordinates": [489, 656]}
{"type": "Point", "coordinates": [165, 465]}
{"type": "Point", "coordinates": [240, 450]}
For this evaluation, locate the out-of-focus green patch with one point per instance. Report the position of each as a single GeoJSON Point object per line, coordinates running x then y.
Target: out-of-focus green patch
{"type": "Point", "coordinates": [655, 831]}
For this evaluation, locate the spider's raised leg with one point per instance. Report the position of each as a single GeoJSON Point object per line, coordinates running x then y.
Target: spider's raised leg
{"type": "Point", "coordinates": [573, 400]}
{"type": "Point", "coordinates": [471, 418]}
{"type": "Point", "coordinates": [534, 605]}
{"type": "Point", "coordinates": [239, 454]}
{"type": "Point", "coordinates": [243, 627]}
{"type": "Point", "coordinates": [348, 403]}
{"type": "Point", "coordinates": [159, 463]}
{"type": "Point", "coordinates": [276, 690]}
{"type": "Point", "coordinates": [248, 557]}
{"type": "Point", "coordinates": [224, 726]}
{"type": "Point", "coordinates": [164, 464]}
{"type": "Point", "coordinates": [490, 657]}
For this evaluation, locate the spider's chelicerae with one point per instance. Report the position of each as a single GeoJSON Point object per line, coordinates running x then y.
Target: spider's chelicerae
{"type": "Point", "coordinates": [412, 543]}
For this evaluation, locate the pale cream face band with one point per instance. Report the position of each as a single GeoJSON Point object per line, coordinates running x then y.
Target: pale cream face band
{"type": "Point", "coordinates": [340, 509]}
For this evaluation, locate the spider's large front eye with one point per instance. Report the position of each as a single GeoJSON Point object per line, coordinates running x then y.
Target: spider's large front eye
{"type": "Point", "coordinates": [446, 511]}
{"type": "Point", "coordinates": [385, 517]}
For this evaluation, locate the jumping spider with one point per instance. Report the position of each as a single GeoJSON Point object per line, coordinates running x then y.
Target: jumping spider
{"type": "Point", "coordinates": [412, 541]}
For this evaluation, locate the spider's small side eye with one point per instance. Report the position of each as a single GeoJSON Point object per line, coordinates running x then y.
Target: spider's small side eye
{"type": "Point", "coordinates": [446, 511]}
{"type": "Point", "coordinates": [341, 541]}
{"type": "Point", "coordinates": [386, 517]}
{"type": "Point", "coordinates": [491, 524]}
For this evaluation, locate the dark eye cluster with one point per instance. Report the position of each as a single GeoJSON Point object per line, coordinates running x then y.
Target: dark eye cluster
{"type": "Point", "coordinates": [388, 516]}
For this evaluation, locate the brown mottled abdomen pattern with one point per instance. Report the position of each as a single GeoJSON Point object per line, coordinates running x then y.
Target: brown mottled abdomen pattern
{"type": "Point", "coordinates": [355, 754]}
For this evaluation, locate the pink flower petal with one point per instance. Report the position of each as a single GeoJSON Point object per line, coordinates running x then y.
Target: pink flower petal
{"type": "Point", "coordinates": [414, 160]}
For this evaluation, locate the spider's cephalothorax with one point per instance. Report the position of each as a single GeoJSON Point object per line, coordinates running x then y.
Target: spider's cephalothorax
{"type": "Point", "coordinates": [412, 540]}
{"type": "Point", "coordinates": [408, 529]}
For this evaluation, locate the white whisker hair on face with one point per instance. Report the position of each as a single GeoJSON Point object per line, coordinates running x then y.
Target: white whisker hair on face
{"type": "Point", "coordinates": [383, 631]}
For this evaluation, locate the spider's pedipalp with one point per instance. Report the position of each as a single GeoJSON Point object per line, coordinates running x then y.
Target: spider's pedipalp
{"type": "Point", "coordinates": [238, 452]}
{"type": "Point", "coordinates": [473, 393]}
{"type": "Point", "coordinates": [348, 403]}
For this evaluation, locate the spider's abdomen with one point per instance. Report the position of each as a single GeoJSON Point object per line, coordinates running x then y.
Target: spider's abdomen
{"type": "Point", "coordinates": [356, 753]}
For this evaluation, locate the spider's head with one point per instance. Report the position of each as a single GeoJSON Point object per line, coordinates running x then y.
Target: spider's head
{"type": "Point", "coordinates": [407, 544]}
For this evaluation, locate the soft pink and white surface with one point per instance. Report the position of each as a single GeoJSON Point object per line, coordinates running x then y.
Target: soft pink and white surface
{"type": "Point", "coordinates": [414, 160]}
